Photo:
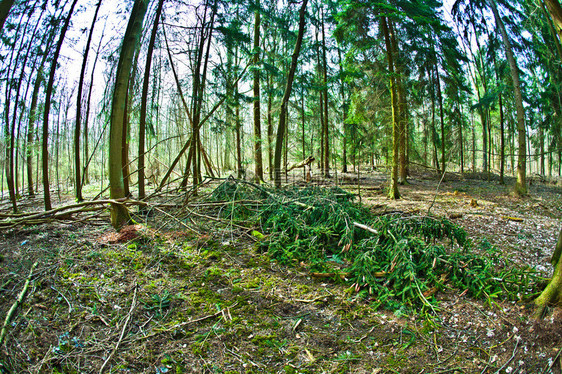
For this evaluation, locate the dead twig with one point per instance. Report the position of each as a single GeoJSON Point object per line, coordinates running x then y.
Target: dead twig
{"type": "Point", "coordinates": [125, 324]}
{"type": "Point", "coordinates": [65, 299]}
{"type": "Point", "coordinates": [190, 322]}
{"type": "Point", "coordinates": [365, 227]}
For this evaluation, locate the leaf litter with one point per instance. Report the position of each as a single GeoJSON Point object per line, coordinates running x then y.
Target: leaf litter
{"type": "Point", "coordinates": [237, 295]}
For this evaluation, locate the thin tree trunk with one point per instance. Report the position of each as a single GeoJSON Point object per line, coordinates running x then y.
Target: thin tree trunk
{"type": "Point", "coordinates": [325, 90]}
{"type": "Point", "coordinates": [281, 128]}
{"type": "Point", "coordinates": [521, 184]}
{"type": "Point", "coordinates": [257, 120]}
{"type": "Point", "coordinates": [144, 100]}
{"type": "Point", "coordinates": [46, 112]}
{"type": "Point", "coordinates": [78, 126]}
{"type": "Point", "coordinates": [270, 123]}
{"type": "Point", "coordinates": [502, 141]}
{"type": "Point", "coordinates": [344, 114]}
{"type": "Point", "coordinates": [393, 191]}
{"type": "Point", "coordinates": [441, 117]}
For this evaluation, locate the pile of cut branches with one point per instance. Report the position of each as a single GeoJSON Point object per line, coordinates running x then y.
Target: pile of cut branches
{"type": "Point", "coordinates": [397, 261]}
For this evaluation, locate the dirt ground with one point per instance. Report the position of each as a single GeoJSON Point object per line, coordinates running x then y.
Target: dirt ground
{"type": "Point", "coordinates": [165, 299]}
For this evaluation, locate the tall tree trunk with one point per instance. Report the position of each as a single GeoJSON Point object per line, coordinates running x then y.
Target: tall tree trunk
{"type": "Point", "coordinates": [502, 141]}
{"type": "Point", "coordinates": [402, 104]}
{"type": "Point", "coordinates": [87, 156]}
{"type": "Point", "coordinates": [461, 140]}
{"type": "Point", "coordinates": [325, 90]}
{"type": "Point", "coordinates": [441, 117]}
{"type": "Point", "coordinates": [47, 110]}
{"type": "Point", "coordinates": [12, 161]}
{"type": "Point", "coordinates": [119, 213]}
{"type": "Point", "coordinates": [281, 128]}
{"type": "Point", "coordinates": [31, 125]}
{"type": "Point", "coordinates": [520, 184]}
{"type": "Point", "coordinates": [393, 191]}
{"type": "Point", "coordinates": [78, 126]}
{"type": "Point", "coordinates": [9, 131]}
{"type": "Point", "coordinates": [270, 123]}
{"type": "Point", "coordinates": [344, 114]}
{"type": "Point", "coordinates": [258, 162]}
{"type": "Point", "coordinates": [555, 10]}
{"type": "Point", "coordinates": [31, 133]}
{"type": "Point", "coordinates": [144, 100]}
{"type": "Point", "coordinates": [433, 130]}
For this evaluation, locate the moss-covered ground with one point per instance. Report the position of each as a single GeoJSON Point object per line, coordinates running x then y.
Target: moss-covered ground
{"type": "Point", "coordinates": [163, 299]}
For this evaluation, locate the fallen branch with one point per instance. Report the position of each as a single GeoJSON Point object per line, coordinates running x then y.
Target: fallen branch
{"type": "Point", "coordinates": [16, 304]}
{"type": "Point", "coordinates": [515, 219]}
{"type": "Point", "coordinates": [190, 322]}
{"type": "Point", "coordinates": [301, 164]}
{"type": "Point", "coordinates": [64, 212]}
{"type": "Point", "coordinates": [365, 227]}
{"type": "Point", "coordinates": [125, 324]}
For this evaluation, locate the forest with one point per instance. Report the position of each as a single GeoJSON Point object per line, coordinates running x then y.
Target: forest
{"type": "Point", "coordinates": [289, 186]}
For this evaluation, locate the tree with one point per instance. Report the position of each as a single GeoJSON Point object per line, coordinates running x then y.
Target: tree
{"type": "Point", "coordinates": [393, 192]}
{"type": "Point", "coordinates": [144, 101]}
{"type": "Point", "coordinates": [552, 294]}
{"type": "Point", "coordinates": [79, 99]}
{"type": "Point", "coordinates": [119, 213]}
{"type": "Point", "coordinates": [46, 112]}
{"type": "Point", "coordinates": [520, 184]}
{"type": "Point", "coordinates": [282, 126]}
{"type": "Point", "coordinates": [258, 163]}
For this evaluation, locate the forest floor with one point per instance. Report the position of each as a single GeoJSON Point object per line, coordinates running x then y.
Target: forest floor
{"type": "Point", "coordinates": [168, 300]}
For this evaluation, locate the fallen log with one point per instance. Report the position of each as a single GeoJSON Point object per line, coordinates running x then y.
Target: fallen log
{"type": "Point", "coordinates": [309, 160]}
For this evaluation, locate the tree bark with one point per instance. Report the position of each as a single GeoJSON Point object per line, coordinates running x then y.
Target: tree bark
{"type": "Point", "coordinates": [144, 100]}
{"type": "Point", "coordinates": [402, 104]}
{"type": "Point", "coordinates": [520, 184]}
{"type": "Point", "coordinates": [552, 294]}
{"type": "Point", "coordinates": [258, 162]}
{"type": "Point", "coordinates": [282, 127]}
{"type": "Point", "coordinates": [47, 110]}
{"type": "Point", "coordinates": [325, 90]}
{"type": "Point", "coordinates": [393, 192]}
{"type": "Point", "coordinates": [78, 125]}
{"type": "Point", "coordinates": [441, 117]}
{"type": "Point", "coordinates": [119, 213]}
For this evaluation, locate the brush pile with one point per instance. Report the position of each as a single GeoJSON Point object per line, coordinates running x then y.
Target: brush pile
{"type": "Point", "coordinates": [397, 261]}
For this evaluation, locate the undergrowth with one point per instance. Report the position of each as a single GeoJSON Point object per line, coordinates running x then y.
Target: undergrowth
{"type": "Point", "coordinates": [397, 261]}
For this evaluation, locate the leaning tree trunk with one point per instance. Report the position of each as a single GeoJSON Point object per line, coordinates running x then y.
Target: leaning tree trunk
{"type": "Point", "coordinates": [48, 94]}
{"type": "Point", "coordinates": [144, 100]}
{"type": "Point", "coordinates": [552, 294]}
{"type": "Point", "coordinates": [78, 125]}
{"type": "Point", "coordinates": [119, 213]}
{"type": "Point", "coordinates": [520, 184]}
{"type": "Point", "coordinates": [282, 127]}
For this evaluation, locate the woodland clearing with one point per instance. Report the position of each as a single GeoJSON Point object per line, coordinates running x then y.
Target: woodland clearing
{"type": "Point", "coordinates": [200, 294]}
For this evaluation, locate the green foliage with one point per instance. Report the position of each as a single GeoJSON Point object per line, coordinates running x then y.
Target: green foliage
{"type": "Point", "coordinates": [158, 303]}
{"type": "Point", "coordinates": [400, 263]}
